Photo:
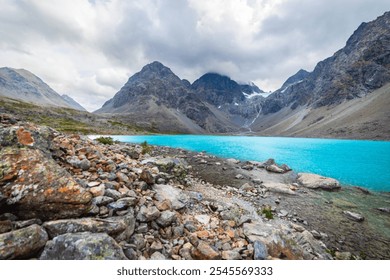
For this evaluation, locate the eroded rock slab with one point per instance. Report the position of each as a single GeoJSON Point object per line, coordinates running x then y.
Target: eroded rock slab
{"type": "Point", "coordinates": [22, 243]}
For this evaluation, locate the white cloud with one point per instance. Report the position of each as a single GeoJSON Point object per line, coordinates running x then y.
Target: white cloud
{"type": "Point", "coordinates": [88, 49]}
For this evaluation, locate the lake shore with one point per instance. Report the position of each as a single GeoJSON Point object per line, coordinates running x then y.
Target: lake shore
{"type": "Point", "coordinates": [144, 202]}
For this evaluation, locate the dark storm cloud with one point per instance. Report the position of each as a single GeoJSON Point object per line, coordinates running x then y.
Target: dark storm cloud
{"type": "Point", "coordinates": [88, 49]}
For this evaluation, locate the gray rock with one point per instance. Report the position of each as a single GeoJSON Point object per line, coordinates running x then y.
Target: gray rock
{"type": "Point", "coordinates": [123, 203]}
{"type": "Point", "coordinates": [260, 251]}
{"type": "Point", "coordinates": [102, 200]}
{"type": "Point", "coordinates": [354, 216]}
{"type": "Point", "coordinates": [138, 241]}
{"type": "Point", "coordinates": [384, 209]}
{"type": "Point", "coordinates": [148, 214]}
{"type": "Point", "coordinates": [22, 243]}
{"type": "Point", "coordinates": [83, 246]}
{"type": "Point", "coordinates": [85, 164]}
{"type": "Point", "coordinates": [239, 176]}
{"type": "Point", "coordinates": [166, 218]}
{"type": "Point", "coordinates": [283, 213]}
{"type": "Point", "coordinates": [130, 253]}
{"type": "Point", "coordinates": [113, 194]}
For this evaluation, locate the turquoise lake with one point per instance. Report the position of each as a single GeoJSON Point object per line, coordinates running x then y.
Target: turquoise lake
{"type": "Point", "coordinates": [352, 162]}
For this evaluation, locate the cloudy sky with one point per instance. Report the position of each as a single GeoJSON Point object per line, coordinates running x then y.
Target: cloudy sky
{"type": "Point", "coordinates": [88, 49]}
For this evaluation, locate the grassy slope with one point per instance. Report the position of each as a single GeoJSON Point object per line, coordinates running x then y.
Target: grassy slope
{"type": "Point", "coordinates": [67, 120]}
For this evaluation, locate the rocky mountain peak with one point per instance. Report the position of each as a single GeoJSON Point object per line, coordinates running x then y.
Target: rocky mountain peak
{"type": "Point", "coordinates": [299, 76]}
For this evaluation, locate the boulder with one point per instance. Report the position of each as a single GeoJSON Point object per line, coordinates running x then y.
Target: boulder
{"type": "Point", "coordinates": [314, 181]}
{"type": "Point", "coordinates": [166, 218]}
{"type": "Point", "coordinates": [35, 186]}
{"type": "Point", "coordinates": [274, 168]}
{"type": "Point", "coordinates": [22, 243]}
{"type": "Point", "coordinates": [204, 251]}
{"type": "Point", "coordinates": [278, 188]}
{"type": "Point", "coordinates": [148, 214]}
{"type": "Point", "coordinates": [83, 246]}
{"type": "Point", "coordinates": [147, 177]}
{"type": "Point", "coordinates": [112, 226]}
{"type": "Point", "coordinates": [178, 199]}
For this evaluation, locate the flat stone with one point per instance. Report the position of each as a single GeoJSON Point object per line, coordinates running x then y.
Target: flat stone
{"type": "Point", "coordinates": [98, 190]}
{"type": "Point", "coordinates": [314, 181]}
{"type": "Point", "coordinates": [260, 251]}
{"type": "Point", "coordinates": [22, 243]}
{"type": "Point", "coordinates": [203, 219]}
{"type": "Point", "coordinates": [93, 184]}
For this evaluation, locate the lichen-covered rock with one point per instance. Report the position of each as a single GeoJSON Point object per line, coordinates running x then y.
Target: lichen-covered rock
{"type": "Point", "coordinates": [35, 186]}
{"type": "Point", "coordinates": [83, 246]}
{"type": "Point", "coordinates": [112, 226]}
{"type": "Point", "coordinates": [314, 181]}
{"type": "Point", "coordinates": [22, 243]}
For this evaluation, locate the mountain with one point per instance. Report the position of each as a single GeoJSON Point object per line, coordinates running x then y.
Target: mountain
{"type": "Point", "coordinates": [74, 104]}
{"type": "Point", "coordinates": [22, 84]}
{"type": "Point", "coordinates": [360, 69]}
{"type": "Point", "coordinates": [296, 78]}
{"type": "Point", "coordinates": [345, 96]}
{"type": "Point", "coordinates": [241, 103]}
{"type": "Point", "coordinates": [156, 98]}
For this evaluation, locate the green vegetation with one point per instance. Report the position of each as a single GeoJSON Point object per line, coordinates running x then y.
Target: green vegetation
{"type": "Point", "coordinates": [105, 140]}
{"type": "Point", "coordinates": [266, 210]}
{"type": "Point", "coordinates": [146, 149]}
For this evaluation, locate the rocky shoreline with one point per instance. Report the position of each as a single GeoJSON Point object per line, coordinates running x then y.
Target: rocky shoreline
{"type": "Point", "coordinates": [70, 197]}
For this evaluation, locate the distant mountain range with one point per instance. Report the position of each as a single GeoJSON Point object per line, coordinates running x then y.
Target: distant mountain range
{"type": "Point", "coordinates": [345, 96]}
{"type": "Point", "coordinates": [23, 85]}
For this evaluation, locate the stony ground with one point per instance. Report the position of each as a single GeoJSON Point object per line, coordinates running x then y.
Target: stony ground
{"type": "Point", "coordinates": [69, 197]}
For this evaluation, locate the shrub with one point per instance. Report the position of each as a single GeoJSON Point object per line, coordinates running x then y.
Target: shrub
{"type": "Point", "coordinates": [146, 149]}
{"type": "Point", "coordinates": [105, 140]}
{"type": "Point", "coordinates": [267, 212]}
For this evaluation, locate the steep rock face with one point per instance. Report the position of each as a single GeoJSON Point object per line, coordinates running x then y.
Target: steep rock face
{"type": "Point", "coordinates": [217, 89]}
{"type": "Point", "coordinates": [157, 95]}
{"type": "Point", "coordinates": [362, 66]}
{"type": "Point", "coordinates": [297, 77]}
{"type": "Point", "coordinates": [22, 84]}
{"type": "Point", "coordinates": [241, 103]}
{"type": "Point", "coordinates": [73, 103]}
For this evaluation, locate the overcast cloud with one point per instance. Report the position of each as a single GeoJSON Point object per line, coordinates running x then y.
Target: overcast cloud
{"type": "Point", "coordinates": [88, 49]}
